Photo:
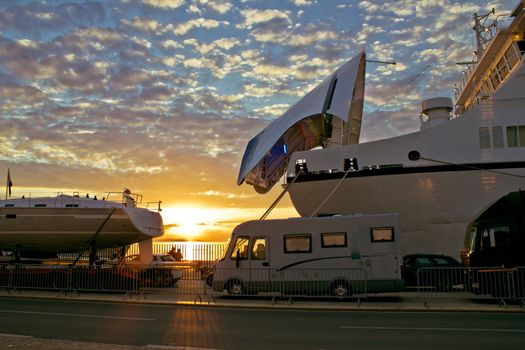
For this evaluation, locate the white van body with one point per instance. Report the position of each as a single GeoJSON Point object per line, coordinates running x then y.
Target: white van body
{"type": "Point", "coordinates": [336, 255]}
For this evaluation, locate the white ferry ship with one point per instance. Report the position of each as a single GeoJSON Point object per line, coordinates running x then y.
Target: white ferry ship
{"type": "Point", "coordinates": [439, 179]}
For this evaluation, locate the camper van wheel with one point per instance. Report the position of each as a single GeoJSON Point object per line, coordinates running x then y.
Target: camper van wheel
{"type": "Point", "coordinates": [341, 289]}
{"type": "Point", "coordinates": [235, 287]}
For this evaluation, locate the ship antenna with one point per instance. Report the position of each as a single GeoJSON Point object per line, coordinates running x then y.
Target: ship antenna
{"type": "Point", "coordinates": [484, 32]}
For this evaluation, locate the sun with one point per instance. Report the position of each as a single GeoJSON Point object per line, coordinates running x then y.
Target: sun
{"type": "Point", "coordinates": [191, 222]}
{"type": "Point", "coordinates": [214, 224]}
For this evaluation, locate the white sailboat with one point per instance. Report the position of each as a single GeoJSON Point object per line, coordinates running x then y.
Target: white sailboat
{"type": "Point", "coordinates": [74, 223]}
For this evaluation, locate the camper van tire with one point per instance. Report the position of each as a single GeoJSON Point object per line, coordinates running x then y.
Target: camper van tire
{"type": "Point", "coordinates": [341, 289]}
{"type": "Point", "coordinates": [235, 287]}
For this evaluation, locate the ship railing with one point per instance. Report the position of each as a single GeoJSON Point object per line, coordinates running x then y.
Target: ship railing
{"type": "Point", "coordinates": [61, 199]}
{"type": "Point", "coordinates": [498, 24]}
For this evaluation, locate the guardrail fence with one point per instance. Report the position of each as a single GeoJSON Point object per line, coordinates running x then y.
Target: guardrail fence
{"type": "Point", "coordinates": [205, 252]}
{"type": "Point", "coordinates": [482, 282]}
{"type": "Point", "coordinates": [198, 280]}
{"type": "Point", "coordinates": [290, 283]}
{"type": "Point", "coordinates": [185, 280]}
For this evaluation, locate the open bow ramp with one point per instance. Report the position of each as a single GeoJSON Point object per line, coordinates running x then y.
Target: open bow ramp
{"type": "Point", "coordinates": [329, 114]}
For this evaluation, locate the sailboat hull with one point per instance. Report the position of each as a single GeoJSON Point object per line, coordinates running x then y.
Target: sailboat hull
{"type": "Point", "coordinates": [72, 229]}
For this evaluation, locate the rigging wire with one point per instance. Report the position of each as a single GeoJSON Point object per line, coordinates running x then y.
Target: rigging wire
{"type": "Point", "coordinates": [467, 166]}
{"type": "Point", "coordinates": [331, 194]}
{"type": "Point", "coordinates": [278, 199]}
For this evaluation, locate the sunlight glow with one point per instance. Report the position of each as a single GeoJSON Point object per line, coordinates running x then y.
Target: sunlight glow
{"type": "Point", "coordinates": [195, 222]}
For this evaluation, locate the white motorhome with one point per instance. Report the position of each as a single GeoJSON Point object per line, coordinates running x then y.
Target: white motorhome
{"type": "Point", "coordinates": [336, 255]}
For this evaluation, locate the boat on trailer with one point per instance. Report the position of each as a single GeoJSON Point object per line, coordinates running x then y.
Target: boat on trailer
{"type": "Point", "coordinates": [36, 226]}
{"type": "Point", "coordinates": [465, 157]}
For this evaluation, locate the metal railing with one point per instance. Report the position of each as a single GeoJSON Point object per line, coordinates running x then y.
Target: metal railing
{"type": "Point", "coordinates": [192, 282]}
{"type": "Point", "coordinates": [479, 282]}
{"type": "Point", "coordinates": [290, 283]}
{"type": "Point", "coordinates": [201, 253]}
{"type": "Point", "coordinates": [196, 281]}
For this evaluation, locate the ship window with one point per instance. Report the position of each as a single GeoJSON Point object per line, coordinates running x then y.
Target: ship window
{"type": "Point", "coordinates": [512, 56]}
{"type": "Point", "coordinates": [71, 205]}
{"type": "Point", "coordinates": [40, 205]}
{"type": "Point", "coordinates": [494, 78]}
{"type": "Point", "coordinates": [333, 239]}
{"type": "Point", "coordinates": [502, 68]}
{"type": "Point", "coordinates": [497, 136]}
{"type": "Point", "coordinates": [240, 250]}
{"type": "Point", "coordinates": [10, 216]}
{"type": "Point", "coordinates": [512, 136]}
{"type": "Point", "coordinates": [486, 88]}
{"type": "Point", "coordinates": [301, 243]}
{"type": "Point", "coordinates": [382, 234]}
{"type": "Point", "coordinates": [521, 46]}
{"type": "Point", "coordinates": [521, 135]}
{"type": "Point", "coordinates": [484, 137]}
{"type": "Point", "coordinates": [10, 205]}
{"type": "Point", "coordinates": [516, 136]}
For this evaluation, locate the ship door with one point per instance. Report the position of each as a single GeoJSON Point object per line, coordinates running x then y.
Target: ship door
{"type": "Point", "coordinates": [260, 264]}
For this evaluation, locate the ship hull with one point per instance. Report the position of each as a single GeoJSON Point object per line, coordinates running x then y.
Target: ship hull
{"type": "Point", "coordinates": [435, 207]}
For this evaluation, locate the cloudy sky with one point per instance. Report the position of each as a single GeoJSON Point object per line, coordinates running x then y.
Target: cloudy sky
{"type": "Point", "coordinates": [161, 96]}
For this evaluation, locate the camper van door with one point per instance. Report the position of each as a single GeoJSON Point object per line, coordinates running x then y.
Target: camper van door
{"type": "Point", "coordinates": [260, 262]}
{"type": "Point", "coordinates": [250, 264]}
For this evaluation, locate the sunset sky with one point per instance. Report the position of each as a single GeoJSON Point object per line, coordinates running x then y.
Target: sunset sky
{"type": "Point", "coordinates": [162, 96]}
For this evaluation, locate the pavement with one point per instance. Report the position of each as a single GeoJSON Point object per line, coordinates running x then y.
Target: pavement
{"type": "Point", "coordinates": [401, 301]}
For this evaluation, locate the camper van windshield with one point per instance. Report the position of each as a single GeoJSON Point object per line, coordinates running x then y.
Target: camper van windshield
{"type": "Point", "coordinates": [240, 250]}
{"type": "Point", "coordinates": [470, 240]}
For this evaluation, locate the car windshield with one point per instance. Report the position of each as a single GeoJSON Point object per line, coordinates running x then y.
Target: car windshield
{"type": "Point", "coordinates": [167, 258]}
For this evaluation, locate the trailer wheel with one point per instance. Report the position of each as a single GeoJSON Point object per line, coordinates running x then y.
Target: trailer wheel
{"type": "Point", "coordinates": [341, 289]}
{"type": "Point", "coordinates": [235, 287]}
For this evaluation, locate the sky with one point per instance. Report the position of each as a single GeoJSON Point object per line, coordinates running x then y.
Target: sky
{"type": "Point", "coordinates": [162, 96]}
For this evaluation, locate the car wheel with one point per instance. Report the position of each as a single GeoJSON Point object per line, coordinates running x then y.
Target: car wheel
{"type": "Point", "coordinates": [341, 289]}
{"type": "Point", "coordinates": [235, 287]}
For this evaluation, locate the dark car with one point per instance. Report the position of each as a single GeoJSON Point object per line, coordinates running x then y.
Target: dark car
{"type": "Point", "coordinates": [433, 271]}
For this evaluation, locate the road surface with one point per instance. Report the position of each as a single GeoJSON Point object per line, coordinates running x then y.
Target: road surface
{"type": "Point", "coordinates": [165, 326]}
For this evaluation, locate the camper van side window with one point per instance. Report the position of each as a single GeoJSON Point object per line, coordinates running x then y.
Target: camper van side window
{"type": "Point", "coordinates": [240, 248]}
{"type": "Point", "coordinates": [298, 243]}
{"type": "Point", "coordinates": [333, 239]}
{"type": "Point", "coordinates": [382, 234]}
{"type": "Point", "coordinates": [259, 249]}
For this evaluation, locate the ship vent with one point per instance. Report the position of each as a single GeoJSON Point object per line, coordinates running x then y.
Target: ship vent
{"type": "Point", "coordinates": [497, 136]}
{"type": "Point", "coordinates": [484, 137]}
{"type": "Point", "coordinates": [435, 111]}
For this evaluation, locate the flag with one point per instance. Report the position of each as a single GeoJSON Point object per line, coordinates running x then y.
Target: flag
{"type": "Point", "coordinates": [9, 182]}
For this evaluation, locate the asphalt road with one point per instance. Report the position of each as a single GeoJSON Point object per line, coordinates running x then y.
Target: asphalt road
{"type": "Point", "coordinates": [231, 328]}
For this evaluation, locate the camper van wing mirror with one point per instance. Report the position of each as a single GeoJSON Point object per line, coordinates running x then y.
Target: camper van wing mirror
{"type": "Point", "coordinates": [237, 258]}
